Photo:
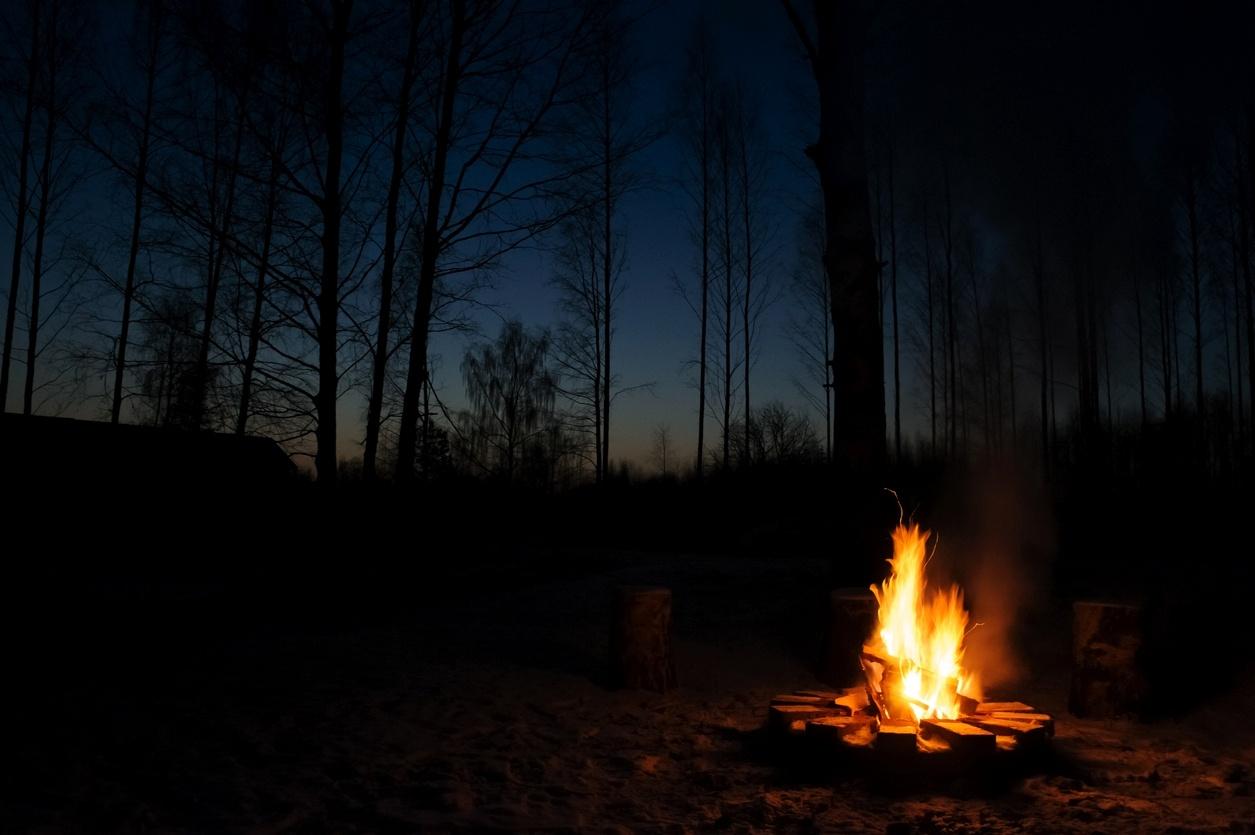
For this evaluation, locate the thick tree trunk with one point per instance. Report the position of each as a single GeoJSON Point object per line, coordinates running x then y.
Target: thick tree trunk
{"type": "Point", "coordinates": [849, 252]}
{"type": "Point", "coordinates": [22, 207]}
{"type": "Point", "coordinates": [379, 371]}
{"type": "Point", "coordinates": [416, 375]}
{"type": "Point", "coordinates": [329, 287]}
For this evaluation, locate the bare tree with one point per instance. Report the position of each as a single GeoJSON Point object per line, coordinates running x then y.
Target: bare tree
{"type": "Point", "coordinates": [600, 136]}
{"type": "Point", "coordinates": [663, 449]}
{"type": "Point", "coordinates": [399, 169]}
{"type": "Point", "coordinates": [510, 388]}
{"type": "Point", "coordinates": [699, 137]}
{"type": "Point", "coordinates": [486, 128]}
{"type": "Point", "coordinates": [810, 327]}
{"type": "Point", "coordinates": [59, 90]}
{"type": "Point", "coordinates": [150, 61]}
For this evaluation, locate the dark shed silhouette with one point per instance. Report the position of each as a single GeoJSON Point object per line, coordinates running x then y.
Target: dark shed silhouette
{"type": "Point", "coordinates": [92, 453]}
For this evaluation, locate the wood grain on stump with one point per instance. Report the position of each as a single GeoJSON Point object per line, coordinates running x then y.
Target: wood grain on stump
{"type": "Point", "coordinates": [640, 639]}
{"type": "Point", "coordinates": [1107, 679]}
{"type": "Point", "coordinates": [851, 618]}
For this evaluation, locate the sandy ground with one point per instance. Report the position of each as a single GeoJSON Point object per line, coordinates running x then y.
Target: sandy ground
{"type": "Point", "coordinates": [486, 712]}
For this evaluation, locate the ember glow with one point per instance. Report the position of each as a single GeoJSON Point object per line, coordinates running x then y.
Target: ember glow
{"type": "Point", "coordinates": [921, 633]}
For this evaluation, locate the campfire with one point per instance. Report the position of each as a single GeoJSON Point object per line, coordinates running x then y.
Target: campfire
{"type": "Point", "coordinates": [917, 696]}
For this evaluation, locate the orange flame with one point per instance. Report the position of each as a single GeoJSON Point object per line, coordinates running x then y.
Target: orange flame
{"type": "Point", "coordinates": [922, 634]}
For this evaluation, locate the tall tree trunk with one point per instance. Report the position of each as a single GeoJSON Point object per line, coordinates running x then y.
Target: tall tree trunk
{"type": "Point", "coordinates": [599, 473]}
{"type": "Point", "coordinates": [952, 363]}
{"type": "Point", "coordinates": [726, 179]}
{"type": "Point", "coordinates": [1192, 218]}
{"type": "Point", "coordinates": [1011, 382]}
{"type": "Point", "coordinates": [141, 182]}
{"type": "Point", "coordinates": [893, 291]}
{"type": "Point", "coordinates": [836, 57]}
{"type": "Point", "coordinates": [22, 207]}
{"type": "Point", "coordinates": [984, 355]}
{"type": "Point", "coordinates": [219, 236]}
{"type": "Point", "coordinates": [607, 265]}
{"type": "Point", "coordinates": [379, 371]}
{"type": "Point", "coordinates": [1235, 255]}
{"type": "Point", "coordinates": [259, 298]}
{"type": "Point", "coordinates": [1141, 343]}
{"type": "Point", "coordinates": [747, 298]}
{"type": "Point", "coordinates": [932, 319]}
{"type": "Point", "coordinates": [1043, 339]}
{"type": "Point", "coordinates": [1246, 221]}
{"type": "Point", "coordinates": [329, 285]}
{"type": "Point", "coordinates": [430, 252]}
{"type": "Point", "coordinates": [1165, 343]}
{"type": "Point", "coordinates": [41, 220]}
{"type": "Point", "coordinates": [701, 362]}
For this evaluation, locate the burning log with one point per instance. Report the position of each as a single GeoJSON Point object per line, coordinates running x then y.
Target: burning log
{"type": "Point", "coordinates": [1107, 678]}
{"type": "Point", "coordinates": [852, 614]}
{"type": "Point", "coordinates": [640, 639]}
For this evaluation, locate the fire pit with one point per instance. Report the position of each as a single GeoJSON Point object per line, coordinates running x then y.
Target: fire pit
{"type": "Point", "coordinates": [917, 699]}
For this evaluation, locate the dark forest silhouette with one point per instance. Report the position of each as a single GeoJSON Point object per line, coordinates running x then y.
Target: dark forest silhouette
{"type": "Point", "coordinates": [303, 196]}
{"type": "Point", "coordinates": [1030, 274]}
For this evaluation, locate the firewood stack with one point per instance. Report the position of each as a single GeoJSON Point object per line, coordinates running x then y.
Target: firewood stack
{"type": "Point", "coordinates": [874, 717]}
{"type": "Point", "coordinates": [848, 719]}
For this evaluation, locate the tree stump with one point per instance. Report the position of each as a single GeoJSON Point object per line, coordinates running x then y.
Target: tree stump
{"type": "Point", "coordinates": [640, 639]}
{"type": "Point", "coordinates": [1107, 677]}
{"type": "Point", "coordinates": [851, 618]}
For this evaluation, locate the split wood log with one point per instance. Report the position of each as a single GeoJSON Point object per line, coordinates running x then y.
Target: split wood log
{"type": "Point", "coordinates": [794, 699]}
{"type": "Point", "coordinates": [964, 739]}
{"type": "Point", "coordinates": [1024, 732]}
{"type": "Point", "coordinates": [851, 618]}
{"type": "Point", "coordinates": [840, 729]}
{"type": "Point", "coordinates": [1107, 675]}
{"type": "Point", "coordinates": [1044, 719]}
{"type": "Point", "coordinates": [1002, 707]}
{"type": "Point", "coordinates": [640, 639]}
{"type": "Point", "coordinates": [827, 695]}
{"type": "Point", "coordinates": [792, 719]}
{"type": "Point", "coordinates": [895, 738]}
